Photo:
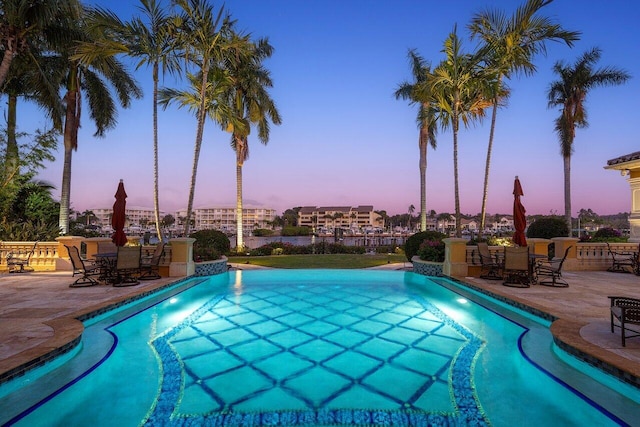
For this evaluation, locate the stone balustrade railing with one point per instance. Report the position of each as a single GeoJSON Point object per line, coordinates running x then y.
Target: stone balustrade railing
{"type": "Point", "coordinates": [177, 260]}
{"type": "Point", "coordinates": [584, 256]}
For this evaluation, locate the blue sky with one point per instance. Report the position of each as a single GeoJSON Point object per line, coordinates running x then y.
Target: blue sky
{"type": "Point", "coordinates": [345, 140]}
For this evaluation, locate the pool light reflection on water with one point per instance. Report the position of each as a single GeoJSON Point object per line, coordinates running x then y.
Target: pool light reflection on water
{"type": "Point", "coordinates": [321, 347]}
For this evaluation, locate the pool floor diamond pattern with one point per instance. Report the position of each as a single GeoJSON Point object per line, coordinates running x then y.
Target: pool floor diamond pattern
{"type": "Point", "coordinates": [309, 355]}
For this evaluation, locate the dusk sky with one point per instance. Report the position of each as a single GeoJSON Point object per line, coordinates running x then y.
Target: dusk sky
{"type": "Point", "coordinates": [345, 140]}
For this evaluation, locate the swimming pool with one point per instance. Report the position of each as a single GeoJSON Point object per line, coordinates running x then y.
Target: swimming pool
{"type": "Point", "coordinates": [316, 347]}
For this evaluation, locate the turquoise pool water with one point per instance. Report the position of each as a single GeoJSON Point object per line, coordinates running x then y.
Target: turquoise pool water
{"type": "Point", "coordinates": [316, 347]}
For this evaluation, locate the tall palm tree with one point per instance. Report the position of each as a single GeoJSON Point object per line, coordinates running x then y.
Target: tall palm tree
{"type": "Point", "coordinates": [26, 24]}
{"type": "Point", "coordinates": [249, 104]}
{"type": "Point", "coordinates": [459, 86]}
{"type": "Point", "coordinates": [30, 83]}
{"type": "Point", "coordinates": [419, 92]}
{"type": "Point", "coordinates": [201, 34]}
{"type": "Point", "coordinates": [411, 210]}
{"type": "Point", "coordinates": [510, 44]}
{"type": "Point", "coordinates": [147, 40]}
{"type": "Point", "coordinates": [570, 94]}
{"type": "Point", "coordinates": [91, 79]}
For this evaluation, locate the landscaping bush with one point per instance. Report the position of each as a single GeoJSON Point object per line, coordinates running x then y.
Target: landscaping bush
{"type": "Point", "coordinates": [209, 245]}
{"type": "Point", "coordinates": [548, 228]}
{"type": "Point", "coordinates": [295, 231]}
{"type": "Point", "coordinates": [431, 250]}
{"type": "Point", "coordinates": [413, 243]}
{"type": "Point", "coordinates": [262, 232]}
{"type": "Point", "coordinates": [608, 235]}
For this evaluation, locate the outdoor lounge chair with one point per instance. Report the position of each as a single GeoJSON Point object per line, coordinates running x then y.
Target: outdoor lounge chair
{"type": "Point", "coordinates": [19, 262]}
{"type": "Point", "coordinates": [622, 262]}
{"type": "Point", "coordinates": [624, 312]}
{"type": "Point", "coordinates": [491, 268]}
{"type": "Point", "coordinates": [80, 266]}
{"type": "Point", "coordinates": [128, 265]}
{"type": "Point", "coordinates": [549, 273]}
{"type": "Point", "coordinates": [149, 267]}
{"type": "Point", "coordinates": [516, 267]}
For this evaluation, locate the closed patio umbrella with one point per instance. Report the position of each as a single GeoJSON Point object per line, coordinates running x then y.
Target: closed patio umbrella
{"type": "Point", "coordinates": [519, 215]}
{"type": "Point", "coordinates": [118, 217]}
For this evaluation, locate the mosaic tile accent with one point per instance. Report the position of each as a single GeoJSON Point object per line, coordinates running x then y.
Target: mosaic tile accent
{"type": "Point", "coordinates": [298, 355]}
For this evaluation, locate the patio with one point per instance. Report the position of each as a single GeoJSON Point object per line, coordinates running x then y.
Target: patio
{"type": "Point", "coordinates": [38, 313]}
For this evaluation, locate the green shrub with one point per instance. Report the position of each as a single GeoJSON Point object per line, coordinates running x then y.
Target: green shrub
{"type": "Point", "coordinates": [208, 244]}
{"type": "Point", "coordinates": [548, 228]}
{"type": "Point", "coordinates": [608, 235]}
{"type": "Point", "coordinates": [295, 231]}
{"type": "Point", "coordinates": [431, 250]}
{"type": "Point", "coordinates": [413, 243]}
{"type": "Point", "coordinates": [262, 232]}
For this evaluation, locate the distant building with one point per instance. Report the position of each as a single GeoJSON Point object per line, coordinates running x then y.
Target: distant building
{"type": "Point", "coordinates": [224, 218]}
{"type": "Point", "coordinates": [135, 216]}
{"type": "Point", "coordinates": [345, 217]}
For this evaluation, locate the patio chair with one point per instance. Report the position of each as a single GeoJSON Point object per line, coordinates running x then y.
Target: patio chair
{"type": "Point", "coordinates": [128, 265]}
{"type": "Point", "coordinates": [150, 266]}
{"type": "Point", "coordinates": [551, 271]}
{"type": "Point", "coordinates": [491, 268]}
{"type": "Point", "coordinates": [516, 267]}
{"type": "Point", "coordinates": [624, 312]}
{"type": "Point", "coordinates": [19, 262]}
{"type": "Point", "coordinates": [107, 248]}
{"type": "Point", "coordinates": [81, 266]}
{"type": "Point", "coordinates": [622, 262]}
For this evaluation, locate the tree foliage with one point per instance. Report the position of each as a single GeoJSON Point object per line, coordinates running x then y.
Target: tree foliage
{"type": "Point", "coordinates": [548, 228]}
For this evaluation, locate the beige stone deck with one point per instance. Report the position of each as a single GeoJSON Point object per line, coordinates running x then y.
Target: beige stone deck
{"type": "Point", "coordinates": [38, 313]}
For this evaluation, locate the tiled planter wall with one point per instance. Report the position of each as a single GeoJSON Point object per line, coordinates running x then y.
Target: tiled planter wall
{"type": "Point", "coordinates": [210, 268]}
{"type": "Point", "coordinates": [426, 268]}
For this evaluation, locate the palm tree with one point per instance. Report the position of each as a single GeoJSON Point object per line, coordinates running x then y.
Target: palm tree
{"type": "Point", "coordinates": [30, 83]}
{"type": "Point", "coordinates": [151, 44]}
{"type": "Point", "coordinates": [25, 25]}
{"type": "Point", "coordinates": [201, 34]}
{"type": "Point", "coordinates": [419, 92]}
{"type": "Point", "coordinates": [570, 94]}
{"type": "Point", "coordinates": [411, 211]}
{"type": "Point", "coordinates": [510, 43]}
{"type": "Point", "coordinates": [249, 104]}
{"type": "Point", "coordinates": [459, 87]}
{"type": "Point", "coordinates": [90, 78]}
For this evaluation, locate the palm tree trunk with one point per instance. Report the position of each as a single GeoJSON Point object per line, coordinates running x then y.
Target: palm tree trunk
{"type": "Point", "coordinates": [6, 64]}
{"type": "Point", "coordinates": [567, 192]}
{"type": "Point", "coordinates": [198, 145]}
{"type": "Point", "coordinates": [70, 143]}
{"type": "Point", "coordinates": [65, 191]}
{"type": "Point", "coordinates": [455, 178]}
{"type": "Point", "coordinates": [12, 154]}
{"type": "Point", "coordinates": [487, 167]}
{"type": "Point", "coordinates": [156, 201]}
{"type": "Point", "coordinates": [239, 216]}
{"type": "Point", "coordinates": [423, 179]}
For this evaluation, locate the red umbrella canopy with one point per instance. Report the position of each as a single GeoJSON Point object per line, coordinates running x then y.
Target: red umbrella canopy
{"type": "Point", "coordinates": [519, 215]}
{"type": "Point", "coordinates": [118, 217]}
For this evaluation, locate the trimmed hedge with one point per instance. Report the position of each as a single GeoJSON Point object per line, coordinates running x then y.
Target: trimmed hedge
{"type": "Point", "coordinates": [412, 246]}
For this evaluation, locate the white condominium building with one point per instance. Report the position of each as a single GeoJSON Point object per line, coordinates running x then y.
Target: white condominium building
{"type": "Point", "coordinates": [346, 217]}
{"type": "Point", "coordinates": [135, 216]}
{"type": "Point", "coordinates": [224, 218]}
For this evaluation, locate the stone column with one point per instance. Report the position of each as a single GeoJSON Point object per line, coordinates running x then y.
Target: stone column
{"type": "Point", "coordinates": [91, 244]}
{"type": "Point", "coordinates": [182, 257]}
{"type": "Point", "coordinates": [539, 246]}
{"type": "Point", "coordinates": [634, 217]}
{"type": "Point", "coordinates": [63, 262]}
{"type": "Point", "coordinates": [455, 257]}
{"type": "Point", "coordinates": [561, 245]}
